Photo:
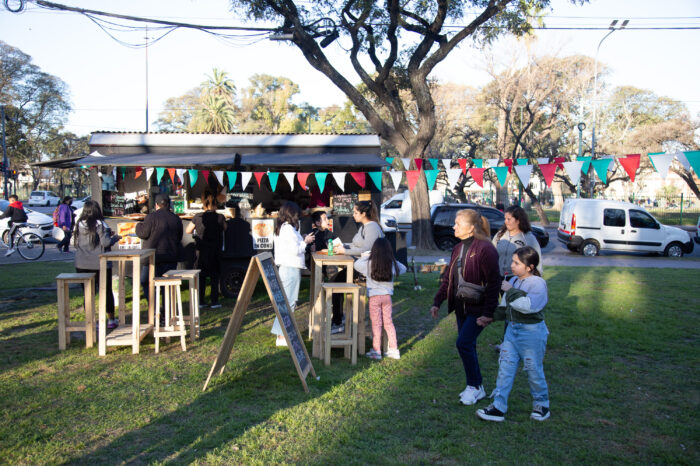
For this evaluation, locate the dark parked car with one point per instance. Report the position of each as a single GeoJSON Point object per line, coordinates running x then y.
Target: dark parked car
{"type": "Point", "coordinates": [442, 217]}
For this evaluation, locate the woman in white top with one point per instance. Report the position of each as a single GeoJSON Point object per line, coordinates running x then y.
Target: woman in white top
{"type": "Point", "coordinates": [515, 233]}
{"type": "Point", "coordinates": [289, 257]}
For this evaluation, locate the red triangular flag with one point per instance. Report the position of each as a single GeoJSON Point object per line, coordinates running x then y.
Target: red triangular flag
{"type": "Point", "coordinates": [205, 175]}
{"type": "Point", "coordinates": [171, 172]}
{"type": "Point", "coordinates": [559, 161]}
{"type": "Point", "coordinates": [419, 163]}
{"type": "Point", "coordinates": [139, 170]}
{"type": "Point", "coordinates": [548, 170]}
{"type": "Point", "coordinates": [359, 178]}
{"type": "Point", "coordinates": [509, 164]}
{"type": "Point", "coordinates": [412, 178]}
{"type": "Point", "coordinates": [463, 165]}
{"type": "Point", "coordinates": [258, 177]}
{"type": "Point", "coordinates": [301, 177]}
{"type": "Point", "coordinates": [478, 175]}
{"type": "Point", "coordinates": [630, 164]}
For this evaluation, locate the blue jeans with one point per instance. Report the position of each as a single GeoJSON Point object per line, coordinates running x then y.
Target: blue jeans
{"type": "Point", "coordinates": [291, 279]}
{"type": "Point", "coordinates": [466, 346]}
{"type": "Point", "coordinates": [526, 342]}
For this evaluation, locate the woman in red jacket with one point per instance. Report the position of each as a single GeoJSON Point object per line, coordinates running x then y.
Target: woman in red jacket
{"type": "Point", "coordinates": [477, 261]}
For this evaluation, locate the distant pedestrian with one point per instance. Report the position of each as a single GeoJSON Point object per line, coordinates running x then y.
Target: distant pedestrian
{"type": "Point", "coordinates": [65, 223]}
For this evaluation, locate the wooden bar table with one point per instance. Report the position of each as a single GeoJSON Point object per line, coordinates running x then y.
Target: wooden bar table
{"type": "Point", "coordinates": [126, 335]}
{"type": "Point", "coordinates": [319, 259]}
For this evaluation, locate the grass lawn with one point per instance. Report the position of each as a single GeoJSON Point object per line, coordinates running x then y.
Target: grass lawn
{"type": "Point", "coordinates": [622, 365]}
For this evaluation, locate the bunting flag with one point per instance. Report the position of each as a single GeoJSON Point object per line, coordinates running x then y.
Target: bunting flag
{"type": "Point", "coordinates": [359, 178]}
{"type": "Point", "coordinates": [431, 177]}
{"type": "Point", "coordinates": [171, 172]}
{"type": "Point", "coordinates": [245, 179]}
{"type": "Point", "coordinates": [123, 169]}
{"type": "Point", "coordinates": [289, 176]}
{"type": "Point", "coordinates": [219, 174]}
{"type": "Point", "coordinates": [301, 178]}
{"type": "Point", "coordinates": [573, 170]}
{"type": "Point", "coordinates": [419, 163]}
{"type": "Point", "coordinates": [661, 163]}
{"type": "Point", "coordinates": [611, 162]}
{"type": "Point", "coordinates": [652, 158]}
{"type": "Point", "coordinates": [396, 179]}
{"type": "Point", "coordinates": [501, 174]}
{"type": "Point", "coordinates": [630, 164]}
{"type": "Point", "coordinates": [683, 160]}
{"type": "Point", "coordinates": [478, 163]}
{"type": "Point", "coordinates": [493, 163]}
{"type": "Point", "coordinates": [376, 178]}
{"type": "Point", "coordinates": [601, 168]}
{"type": "Point", "coordinates": [447, 163]}
{"type": "Point", "coordinates": [159, 174]}
{"type": "Point", "coordinates": [193, 176]}
{"type": "Point", "coordinates": [453, 175]}
{"type": "Point", "coordinates": [524, 173]}
{"type": "Point", "coordinates": [548, 171]}
{"type": "Point", "coordinates": [522, 161]}
{"type": "Point", "coordinates": [390, 160]}
{"type": "Point", "coordinates": [478, 175]}
{"type": "Point", "coordinates": [149, 173]}
{"type": "Point", "coordinates": [542, 160]}
{"type": "Point", "coordinates": [138, 172]}
{"type": "Point", "coordinates": [412, 178]}
{"type": "Point", "coordinates": [321, 180]}
{"type": "Point", "coordinates": [559, 161]}
{"type": "Point", "coordinates": [434, 163]}
{"type": "Point", "coordinates": [180, 172]}
{"type": "Point", "coordinates": [231, 179]}
{"type": "Point", "coordinates": [463, 165]}
{"type": "Point", "coordinates": [406, 163]}
{"type": "Point", "coordinates": [258, 178]}
{"type": "Point", "coordinates": [340, 179]}
{"type": "Point", "coordinates": [509, 164]}
{"type": "Point", "coordinates": [272, 177]}
{"type": "Point", "coordinates": [693, 158]}
{"type": "Point", "coordinates": [586, 164]}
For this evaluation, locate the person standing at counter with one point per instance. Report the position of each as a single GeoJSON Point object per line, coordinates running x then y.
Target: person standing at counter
{"type": "Point", "coordinates": [160, 230]}
{"type": "Point", "coordinates": [209, 227]}
{"type": "Point", "coordinates": [290, 248]}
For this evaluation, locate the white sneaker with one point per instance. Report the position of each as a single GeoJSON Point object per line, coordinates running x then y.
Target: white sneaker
{"type": "Point", "coordinates": [472, 394]}
{"type": "Point", "coordinates": [392, 353]}
{"type": "Point", "coordinates": [280, 342]}
{"type": "Point", "coordinates": [9, 252]}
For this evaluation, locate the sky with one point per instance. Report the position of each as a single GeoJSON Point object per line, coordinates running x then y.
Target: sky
{"type": "Point", "coordinates": [107, 80]}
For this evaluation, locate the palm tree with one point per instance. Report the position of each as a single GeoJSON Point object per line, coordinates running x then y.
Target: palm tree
{"type": "Point", "coordinates": [215, 115]}
{"type": "Point", "coordinates": [219, 85]}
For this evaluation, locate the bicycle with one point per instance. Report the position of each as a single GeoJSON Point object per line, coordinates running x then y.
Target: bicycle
{"type": "Point", "coordinates": [29, 245]}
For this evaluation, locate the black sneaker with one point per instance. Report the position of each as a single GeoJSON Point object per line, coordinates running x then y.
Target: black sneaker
{"type": "Point", "coordinates": [540, 413]}
{"type": "Point", "coordinates": [490, 414]}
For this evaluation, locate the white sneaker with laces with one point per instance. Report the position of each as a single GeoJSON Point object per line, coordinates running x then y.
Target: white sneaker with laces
{"type": "Point", "coordinates": [280, 341]}
{"type": "Point", "coordinates": [392, 353]}
{"type": "Point", "coordinates": [9, 252]}
{"type": "Point", "coordinates": [472, 394]}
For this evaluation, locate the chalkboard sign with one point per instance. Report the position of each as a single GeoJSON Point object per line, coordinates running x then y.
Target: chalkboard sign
{"type": "Point", "coordinates": [262, 264]}
{"type": "Point", "coordinates": [343, 204]}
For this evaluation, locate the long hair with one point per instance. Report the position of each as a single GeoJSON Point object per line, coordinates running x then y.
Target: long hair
{"type": "Point", "coordinates": [91, 214]}
{"type": "Point", "coordinates": [519, 214]}
{"type": "Point", "coordinates": [289, 213]}
{"type": "Point", "coordinates": [481, 224]}
{"type": "Point", "coordinates": [369, 209]}
{"type": "Point", "coordinates": [528, 256]}
{"type": "Point", "coordinates": [383, 263]}
{"type": "Point", "coordinates": [208, 200]}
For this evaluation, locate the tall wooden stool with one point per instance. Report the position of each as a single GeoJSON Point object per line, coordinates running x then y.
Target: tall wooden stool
{"type": "Point", "coordinates": [349, 338]}
{"type": "Point", "coordinates": [174, 320]}
{"type": "Point", "coordinates": [192, 277]}
{"type": "Point", "coordinates": [362, 333]}
{"type": "Point", "coordinates": [65, 325]}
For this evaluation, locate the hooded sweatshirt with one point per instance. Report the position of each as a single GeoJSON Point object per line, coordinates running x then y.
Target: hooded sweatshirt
{"type": "Point", "coordinates": [15, 212]}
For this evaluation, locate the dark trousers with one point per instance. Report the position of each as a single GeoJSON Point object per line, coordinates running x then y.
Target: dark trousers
{"type": "Point", "coordinates": [466, 346]}
{"type": "Point", "coordinates": [63, 244]}
{"type": "Point", "coordinates": [338, 299]}
{"type": "Point", "coordinates": [209, 266]}
{"type": "Point", "coordinates": [109, 296]}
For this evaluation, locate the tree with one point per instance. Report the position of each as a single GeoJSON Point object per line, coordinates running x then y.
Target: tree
{"type": "Point", "coordinates": [266, 105]}
{"type": "Point", "coordinates": [179, 111]}
{"type": "Point", "coordinates": [403, 42]}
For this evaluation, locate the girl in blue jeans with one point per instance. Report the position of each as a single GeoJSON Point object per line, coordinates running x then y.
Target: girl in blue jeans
{"type": "Point", "coordinates": [525, 339]}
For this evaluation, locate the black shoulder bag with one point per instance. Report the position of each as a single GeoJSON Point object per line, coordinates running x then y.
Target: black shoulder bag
{"type": "Point", "coordinates": [467, 292]}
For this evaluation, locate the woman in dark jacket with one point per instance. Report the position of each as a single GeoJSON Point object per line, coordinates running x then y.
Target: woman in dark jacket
{"type": "Point", "coordinates": [479, 261]}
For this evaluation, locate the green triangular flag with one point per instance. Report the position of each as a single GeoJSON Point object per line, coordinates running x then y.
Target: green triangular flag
{"type": "Point", "coordinates": [693, 157]}
{"type": "Point", "coordinates": [193, 176]}
{"type": "Point", "coordinates": [159, 173]}
{"type": "Point", "coordinates": [123, 169]}
{"type": "Point", "coordinates": [478, 163]}
{"type": "Point", "coordinates": [390, 160]}
{"type": "Point", "coordinates": [272, 178]}
{"type": "Point", "coordinates": [601, 168]}
{"type": "Point", "coordinates": [586, 164]}
{"type": "Point", "coordinates": [651, 159]}
{"type": "Point", "coordinates": [231, 179]}
{"type": "Point", "coordinates": [376, 179]}
{"type": "Point", "coordinates": [433, 162]}
{"type": "Point", "coordinates": [502, 174]}
{"type": "Point", "coordinates": [431, 177]}
{"type": "Point", "coordinates": [321, 181]}
{"type": "Point", "coordinates": [522, 161]}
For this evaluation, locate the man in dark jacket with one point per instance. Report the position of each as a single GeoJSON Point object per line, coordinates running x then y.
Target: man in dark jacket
{"type": "Point", "coordinates": [161, 230]}
{"type": "Point", "coordinates": [15, 212]}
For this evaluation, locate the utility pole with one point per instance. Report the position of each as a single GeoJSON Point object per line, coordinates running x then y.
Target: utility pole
{"type": "Point", "coordinates": [146, 77]}
{"type": "Point", "coordinates": [581, 126]}
{"type": "Point", "coordinates": [5, 162]}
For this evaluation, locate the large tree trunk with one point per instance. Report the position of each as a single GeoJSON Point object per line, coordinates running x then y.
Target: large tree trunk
{"type": "Point", "coordinates": [688, 178]}
{"type": "Point", "coordinates": [538, 207]}
{"type": "Point", "coordinates": [420, 210]}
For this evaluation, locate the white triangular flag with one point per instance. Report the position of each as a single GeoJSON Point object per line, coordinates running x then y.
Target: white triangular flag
{"type": "Point", "coordinates": [492, 162]}
{"type": "Point", "coordinates": [96, 154]}
{"type": "Point", "coordinates": [573, 169]}
{"type": "Point", "coordinates": [149, 172]}
{"type": "Point", "coordinates": [396, 178]}
{"type": "Point", "coordinates": [339, 178]}
{"type": "Point", "coordinates": [447, 163]}
{"type": "Point", "coordinates": [542, 160]}
{"type": "Point", "coordinates": [683, 160]}
{"type": "Point", "coordinates": [245, 178]}
{"type": "Point", "coordinates": [611, 166]}
{"type": "Point", "coordinates": [219, 176]}
{"type": "Point", "coordinates": [453, 176]}
{"type": "Point", "coordinates": [180, 172]}
{"type": "Point", "coordinates": [661, 163]}
{"type": "Point", "coordinates": [524, 172]}
{"type": "Point", "coordinates": [114, 174]}
{"type": "Point", "coordinates": [406, 162]}
{"type": "Point", "coordinates": [289, 176]}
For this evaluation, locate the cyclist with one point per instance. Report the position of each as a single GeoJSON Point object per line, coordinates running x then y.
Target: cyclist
{"type": "Point", "coordinates": [15, 212]}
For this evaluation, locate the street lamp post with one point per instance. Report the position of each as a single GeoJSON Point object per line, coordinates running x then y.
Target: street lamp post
{"type": "Point", "coordinates": [581, 126]}
{"type": "Point", "coordinates": [5, 163]}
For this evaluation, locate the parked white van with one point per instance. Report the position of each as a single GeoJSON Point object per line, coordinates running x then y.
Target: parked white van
{"type": "Point", "coordinates": [592, 225]}
{"type": "Point", "coordinates": [398, 208]}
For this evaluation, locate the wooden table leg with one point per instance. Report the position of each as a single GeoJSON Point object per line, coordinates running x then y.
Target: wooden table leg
{"type": "Point", "coordinates": [61, 291]}
{"type": "Point", "coordinates": [135, 307]}
{"type": "Point", "coordinates": [151, 285]}
{"type": "Point", "coordinates": [90, 313]}
{"type": "Point", "coordinates": [102, 339]}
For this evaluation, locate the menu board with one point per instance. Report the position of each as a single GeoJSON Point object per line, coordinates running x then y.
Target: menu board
{"type": "Point", "coordinates": [263, 230]}
{"type": "Point", "coordinates": [129, 240]}
{"type": "Point", "coordinates": [112, 204]}
{"type": "Point", "coordinates": [343, 204]}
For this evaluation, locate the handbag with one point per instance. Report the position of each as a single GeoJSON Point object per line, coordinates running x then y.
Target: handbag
{"type": "Point", "coordinates": [469, 293]}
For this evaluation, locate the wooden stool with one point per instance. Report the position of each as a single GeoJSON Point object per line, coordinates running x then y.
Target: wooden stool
{"type": "Point", "coordinates": [349, 338]}
{"type": "Point", "coordinates": [172, 310]}
{"type": "Point", "coordinates": [362, 325]}
{"type": "Point", "coordinates": [65, 326]}
{"type": "Point", "coordinates": [192, 277]}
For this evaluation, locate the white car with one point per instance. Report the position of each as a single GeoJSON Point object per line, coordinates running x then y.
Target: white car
{"type": "Point", "coordinates": [37, 222]}
{"type": "Point", "coordinates": [45, 198]}
{"type": "Point", "coordinates": [79, 203]}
